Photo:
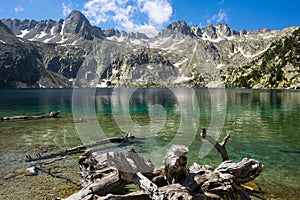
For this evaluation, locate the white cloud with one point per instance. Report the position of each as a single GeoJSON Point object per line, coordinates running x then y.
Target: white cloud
{"type": "Point", "coordinates": [158, 11]}
{"type": "Point", "coordinates": [67, 9]}
{"type": "Point", "coordinates": [19, 9]}
{"type": "Point", "coordinates": [220, 16]}
{"type": "Point", "coordinates": [131, 15]}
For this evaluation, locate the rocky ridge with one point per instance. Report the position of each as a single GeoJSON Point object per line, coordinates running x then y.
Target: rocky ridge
{"type": "Point", "coordinates": [179, 56]}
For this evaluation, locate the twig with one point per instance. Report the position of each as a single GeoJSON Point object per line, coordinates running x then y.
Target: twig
{"type": "Point", "coordinates": [48, 171]}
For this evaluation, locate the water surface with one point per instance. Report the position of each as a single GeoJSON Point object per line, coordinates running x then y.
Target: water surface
{"type": "Point", "coordinates": [264, 125]}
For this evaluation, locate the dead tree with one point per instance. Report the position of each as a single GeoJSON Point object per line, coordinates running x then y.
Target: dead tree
{"type": "Point", "coordinates": [219, 146]}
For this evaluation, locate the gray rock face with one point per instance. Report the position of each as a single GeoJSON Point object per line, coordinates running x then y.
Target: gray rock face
{"type": "Point", "coordinates": [77, 24]}
{"type": "Point", "coordinates": [132, 35]}
{"type": "Point", "coordinates": [139, 69]}
{"type": "Point", "coordinates": [224, 30]}
{"type": "Point", "coordinates": [110, 32]}
{"type": "Point", "coordinates": [181, 27]}
{"type": "Point", "coordinates": [210, 31]}
{"type": "Point", "coordinates": [18, 64]}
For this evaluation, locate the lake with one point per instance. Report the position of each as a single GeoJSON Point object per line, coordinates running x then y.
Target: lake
{"type": "Point", "coordinates": [264, 125]}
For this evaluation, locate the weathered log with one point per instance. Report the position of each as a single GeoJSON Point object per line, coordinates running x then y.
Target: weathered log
{"type": "Point", "coordinates": [150, 188]}
{"type": "Point", "coordinates": [129, 164]}
{"type": "Point", "coordinates": [52, 114]}
{"type": "Point", "coordinates": [105, 173]}
{"type": "Point", "coordinates": [140, 195]}
{"type": "Point", "coordinates": [178, 191]}
{"type": "Point", "coordinates": [107, 183]}
{"type": "Point", "coordinates": [127, 137]}
{"type": "Point", "coordinates": [219, 146]}
{"type": "Point", "coordinates": [81, 148]}
{"type": "Point", "coordinates": [241, 172]}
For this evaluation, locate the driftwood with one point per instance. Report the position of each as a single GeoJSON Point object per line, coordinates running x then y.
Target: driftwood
{"type": "Point", "coordinates": [103, 176]}
{"type": "Point", "coordinates": [219, 146]}
{"type": "Point", "coordinates": [52, 114]}
{"type": "Point", "coordinates": [79, 149]}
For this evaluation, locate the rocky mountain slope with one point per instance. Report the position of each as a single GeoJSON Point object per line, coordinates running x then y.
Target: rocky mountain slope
{"type": "Point", "coordinates": [72, 52]}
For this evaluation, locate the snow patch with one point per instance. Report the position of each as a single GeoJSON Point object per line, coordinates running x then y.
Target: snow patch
{"type": "Point", "coordinates": [230, 37]}
{"type": "Point", "coordinates": [41, 86]}
{"type": "Point", "coordinates": [181, 62]}
{"type": "Point", "coordinates": [43, 34]}
{"type": "Point", "coordinates": [181, 79]}
{"type": "Point", "coordinates": [62, 29]}
{"type": "Point", "coordinates": [3, 42]}
{"type": "Point", "coordinates": [52, 30]}
{"type": "Point", "coordinates": [48, 39]}
{"type": "Point", "coordinates": [63, 40]}
{"type": "Point", "coordinates": [23, 33]}
{"type": "Point", "coordinates": [102, 85]}
{"type": "Point", "coordinates": [247, 55]}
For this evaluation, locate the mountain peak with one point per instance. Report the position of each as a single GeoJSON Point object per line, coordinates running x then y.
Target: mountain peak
{"type": "Point", "coordinates": [76, 17]}
{"type": "Point", "coordinates": [76, 23]}
{"type": "Point", "coordinates": [182, 27]}
{"type": "Point", "coordinates": [178, 26]}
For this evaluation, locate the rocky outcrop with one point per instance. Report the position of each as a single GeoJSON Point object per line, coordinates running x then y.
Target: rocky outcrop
{"type": "Point", "coordinates": [182, 27]}
{"type": "Point", "coordinates": [30, 64]}
{"type": "Point", "coordinates": [18, 64]}
{"type": "Point", "coordinates": [110, 32]}
{"type": "Point", "coordinates": [278, 67]}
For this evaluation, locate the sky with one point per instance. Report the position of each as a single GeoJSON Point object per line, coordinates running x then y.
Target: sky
{"type": "Point", "coordinates": [150, 16]}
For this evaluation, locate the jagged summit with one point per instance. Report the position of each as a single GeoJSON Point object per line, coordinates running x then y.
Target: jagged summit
{"type": "Point", "coordinates": [50, 31]}
{"type": "Point", "coordinates": [210, 32]}
{"type": "Point", "coordinates": [77, 24]}
{"type": "Point", "coordinates": [110, 32]}
{"type": "Point", "coordinates": [180, 26]}
{"type": "Point", "coordinates": [75, 14]}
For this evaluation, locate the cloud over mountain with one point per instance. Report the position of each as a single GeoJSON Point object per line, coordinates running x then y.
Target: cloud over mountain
{"type": "Point", "coordinates": [221, 16]}
{"type": "Point", "coordinates": [67, 8]}
{"type": "Point", "coordinates": [130, 15]}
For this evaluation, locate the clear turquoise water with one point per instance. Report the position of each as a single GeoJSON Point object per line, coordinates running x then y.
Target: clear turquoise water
{"type": "Point", "coordinates": [264, 125]}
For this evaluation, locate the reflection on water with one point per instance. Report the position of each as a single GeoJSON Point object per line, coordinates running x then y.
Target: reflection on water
{"type": "Point", "coordinates": [264, 124]}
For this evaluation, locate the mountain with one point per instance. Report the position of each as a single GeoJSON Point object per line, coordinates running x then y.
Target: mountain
{"type": "Point", "coordinates": [74, 27]}
{"type": "Point", "coordinates": [17, 61]}
{"type": "Point", "coordinates": [71, 51]}
{"type": "Point", "coordinates": [277, 67]}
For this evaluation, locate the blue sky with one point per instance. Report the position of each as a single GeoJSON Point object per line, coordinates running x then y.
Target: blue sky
{"type": "Point", "coordinates": [156, 14]}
